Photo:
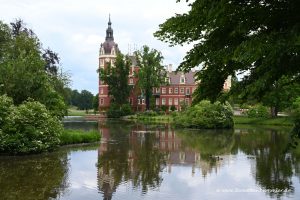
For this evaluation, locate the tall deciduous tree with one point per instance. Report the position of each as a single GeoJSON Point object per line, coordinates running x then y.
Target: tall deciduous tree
{"type": "Point", "coordinates": [22, 68]}
{"type": "Point", "coordinates": [116, 77]}
{"type": "Point", "coordinates": [151, 73]}
{"type": "Point", "coordinates": [85, 100]}
{"type": "Point", "coordinates": [259, 37]}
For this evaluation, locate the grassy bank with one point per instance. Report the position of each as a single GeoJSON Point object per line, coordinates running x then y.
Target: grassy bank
{"type": "Point", "coordinates": [146, 118]}
{"type": "Point", "coordinates": [74, 112]}
{"type": "Point", "coordinates": [278, 121]}
{"type": "Point", "coordinates": [79, 136]}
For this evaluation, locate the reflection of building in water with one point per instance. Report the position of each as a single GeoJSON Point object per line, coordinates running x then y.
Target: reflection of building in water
{"type": "Point", "coordinates": [176, 153]}
{"type": "Point", "coordinates": [161, 143]}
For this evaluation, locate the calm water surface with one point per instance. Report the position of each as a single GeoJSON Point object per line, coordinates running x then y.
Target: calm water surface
{"type": "Point", "coordinates": [136, 161]}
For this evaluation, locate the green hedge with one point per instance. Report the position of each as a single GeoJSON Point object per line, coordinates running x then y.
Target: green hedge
{"type": "Point", "coordinates": [206, 115]}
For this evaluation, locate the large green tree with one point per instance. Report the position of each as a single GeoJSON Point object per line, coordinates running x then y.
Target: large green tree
{"type": "Point", "coordinates": [23, 72]}
{"type": "Point", "coordinates": [116, 77]}
{"type": "Point", "coordinates": [85, 100]}
{"type": "Point", "coordinates": [259, 38]}
{"type": "Point", "coordinates": [151, 72]}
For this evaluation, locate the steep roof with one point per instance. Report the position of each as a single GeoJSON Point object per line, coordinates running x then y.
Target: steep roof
{"type": "Point", "coordinates": [175, 77]}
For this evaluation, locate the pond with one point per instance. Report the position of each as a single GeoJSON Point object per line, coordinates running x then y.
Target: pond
{"type": "Point", "coordinates": [138, 161]}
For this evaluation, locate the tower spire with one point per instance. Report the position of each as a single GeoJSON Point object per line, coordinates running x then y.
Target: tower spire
{"type": "Point", "coordinates": [109, 22]}
{"type": "Point", "coordinates": [109, 31]}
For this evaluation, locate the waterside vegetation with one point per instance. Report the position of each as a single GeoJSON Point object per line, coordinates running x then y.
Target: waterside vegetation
{"type": "Point", "coordinates": [69, 136]}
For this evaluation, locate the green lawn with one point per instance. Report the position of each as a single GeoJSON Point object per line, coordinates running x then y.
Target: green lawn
{"type": "Point", "coordinates": [74, 112]}
{"type": "Point", "coordinates": [278, 121]}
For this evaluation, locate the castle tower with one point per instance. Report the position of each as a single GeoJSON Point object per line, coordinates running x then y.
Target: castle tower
{"type": "Point", "coordinates": [107, 54]}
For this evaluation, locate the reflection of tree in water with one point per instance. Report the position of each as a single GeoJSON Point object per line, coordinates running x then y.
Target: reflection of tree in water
{"type": "Point", "coordinates": [128, 159]}
{"type": "Point", "coordinates": [211, 144]}
{"type": "Point", "coordinates": [33, 177]}
{"type": "Point", "coordinates": [273, 167]}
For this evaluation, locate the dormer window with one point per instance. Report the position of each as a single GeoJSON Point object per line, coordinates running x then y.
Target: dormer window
{"type": "Point", "coordinates": [182, 79]}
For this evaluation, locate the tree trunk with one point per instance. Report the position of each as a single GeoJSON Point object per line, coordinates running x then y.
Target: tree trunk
{"type": "Point", "coordinates": [274, 111]}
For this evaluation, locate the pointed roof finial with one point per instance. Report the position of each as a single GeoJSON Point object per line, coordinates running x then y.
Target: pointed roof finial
{"type": "Point", "coordinates": [109, 22]}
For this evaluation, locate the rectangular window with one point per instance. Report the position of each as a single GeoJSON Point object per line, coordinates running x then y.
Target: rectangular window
{"type": "Point", "coordinates": [157, 101]}
{"type": "Point", "coordinates": [176, 90]}
{"type": "Point", "coordinates": [101, 101]}
{"type": "Point", "coordinates": [176, 101]}
{"type": "Point", "coordinates": [130, 81]}
{"type": "Point", "coordinates": [181, 90]}
{"type": "Point", "coordinates": [157, 90]}
{"type": "Point", "coordinates": [143, 101]}
{"type": "Point", "coordinates": [163, 90]}
{"type": "Point", "coordinates": [181, 100]}
{"type": "Point", "coordinates": [187, 101]}
{"type": "Point", "coordinates": [170, 90]}
{"type": "Point", "coordinates": [187, 90]}
{"type": "Point", "coordinates": [101, 90]}
{"type": "Point", "coordinates": [170, 101]}
{"type": "Point", "coordinates": [163, 101]}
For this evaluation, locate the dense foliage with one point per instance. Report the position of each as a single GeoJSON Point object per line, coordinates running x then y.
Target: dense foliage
{"type": "Point", "coordinates": [83, 100]}
{"type": "Point", "coordinates": [27, 128]}
{"type": "Point", "coordinates": [206, 115]}
{"type": "Point", "coordinates": [256, 37]}
{"type": "Point", "coordinates": [29, 71]}
{"type": "Point", "coordinates": [151, 73]}
{"type": "Point", "coordinates": [115, 111]}
{"type": "Point", "coordinates": [258, 111]}
{"type": "Point", "coordinates": [116, 77]}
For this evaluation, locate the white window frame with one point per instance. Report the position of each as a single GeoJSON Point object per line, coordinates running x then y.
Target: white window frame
{"type": "Point", "coordinates": [163, 101]}
{"type": "Point", "coordinates": [181, 90]}
{"type": "Point", "coordinates": [176, 90]}
{"type": "Point", "coordinates": [170, 101]}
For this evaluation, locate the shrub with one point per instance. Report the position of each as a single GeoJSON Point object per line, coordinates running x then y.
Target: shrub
{"type": "Point", "coordinates": [172, 108]}
{"type": "Point", "coordinates": [148, 113]}
{"type": "Point", "coordinates": [164, 108]}
{"type": "Point", "coordinates": [258, 111]}
{"type": "Point", "coordinates": [30, 128]}
{"type": "Point", "coordinates": [206, 115]}
{"type": "Point", "coordinates": [115, 111]}
{"type": "Point", "coordinates": [5, 108]}
{"type": "Point", "coordinates": [296, 111]}
{"type": "Point", "coordinates": [126, 109]}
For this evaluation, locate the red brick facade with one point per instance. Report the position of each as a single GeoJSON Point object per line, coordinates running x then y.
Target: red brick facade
{"type": "Point", "coordinates": [177, 92]}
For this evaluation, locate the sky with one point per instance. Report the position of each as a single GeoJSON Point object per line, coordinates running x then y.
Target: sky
{"type": "Point", "coordinates": [76, 28]}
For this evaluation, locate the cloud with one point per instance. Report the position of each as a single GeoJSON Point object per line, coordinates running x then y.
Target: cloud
{"type": "Point", "coordinates": [74, 29]}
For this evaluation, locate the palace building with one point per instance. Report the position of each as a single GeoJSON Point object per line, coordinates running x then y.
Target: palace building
{"type": "Point", "coordinates": [179, 90]}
